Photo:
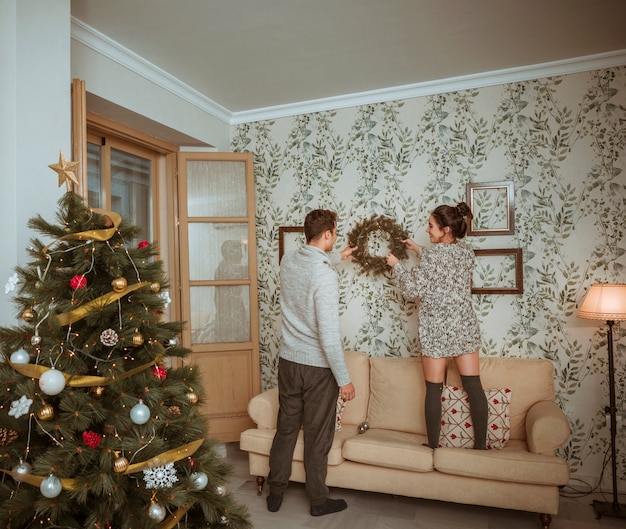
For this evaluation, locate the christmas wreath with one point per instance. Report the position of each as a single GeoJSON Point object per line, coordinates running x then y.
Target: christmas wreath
{"type": "Point", "coordinates": [359, 236]}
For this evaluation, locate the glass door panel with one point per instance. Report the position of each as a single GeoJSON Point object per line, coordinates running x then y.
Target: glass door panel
{"type": "Point", "coordinates": [215, 189]}
{"type": "Point", "coordinates": [220, 314]}
{"type": "Point", "coordinates": [218, 250]}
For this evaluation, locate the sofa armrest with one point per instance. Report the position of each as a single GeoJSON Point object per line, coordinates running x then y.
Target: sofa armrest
{"type": "Point", "coordinates": [263, 409]}
{"type": "Point", "coordinates": [547, 427]}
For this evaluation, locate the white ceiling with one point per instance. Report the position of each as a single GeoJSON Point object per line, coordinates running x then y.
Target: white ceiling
{"type": "Point", "coordinates": [247, 55]}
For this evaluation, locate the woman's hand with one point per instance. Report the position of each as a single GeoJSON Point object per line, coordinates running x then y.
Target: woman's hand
{"type": "Point", "coordinates": [392, 260]}
{"type": "Point", "coordinates": [412, 245]}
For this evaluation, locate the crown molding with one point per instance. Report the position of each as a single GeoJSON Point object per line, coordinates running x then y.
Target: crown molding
{"type": "Point", "coordinates": [466, 82]}
{"type": "Point", "coordinates": [103, 45]}
{"type": "Point", "coordinates": [114, 51]}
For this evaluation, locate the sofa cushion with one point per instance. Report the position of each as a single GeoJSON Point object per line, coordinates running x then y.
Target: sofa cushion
{"type": "Point", "coordinates": [358, 365]}
{"type": "Point", "coordinates": [388, 448]}
{"type": "Point", "coordinates": [397, 393]}
{"type": "Point", "coordinates": [457, 430]}
{"type": "Point", "coordinates": [260, 442]}
{"type": "Point", "coordinates": [529, 379]}
{"type": "Point", "coordinates": [513, 463]}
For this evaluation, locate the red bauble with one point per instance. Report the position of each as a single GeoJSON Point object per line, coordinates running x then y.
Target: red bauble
{"type": "Point", "coordinates": [160, 372]}
{"type": "Point", "coordinates": [143, 244]}
{"type": "Point", "coordinates": [78, 282]}
{"type": "Point", "coordinates": [92, 439]}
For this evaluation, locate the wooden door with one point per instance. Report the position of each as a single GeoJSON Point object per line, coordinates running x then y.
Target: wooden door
{"type": "Point", "coordinates": [219, 283]}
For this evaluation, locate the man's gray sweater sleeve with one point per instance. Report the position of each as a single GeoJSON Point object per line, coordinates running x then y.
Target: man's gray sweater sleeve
{"type": "Point", "coordinates": [327, 313]}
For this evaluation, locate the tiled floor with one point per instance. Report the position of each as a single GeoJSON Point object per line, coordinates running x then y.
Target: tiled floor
{"type": "Point", "coordinates": [367, 510]}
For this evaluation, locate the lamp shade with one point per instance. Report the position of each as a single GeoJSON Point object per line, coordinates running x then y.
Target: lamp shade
{"type": "Point", "coordinates": [604, 301]}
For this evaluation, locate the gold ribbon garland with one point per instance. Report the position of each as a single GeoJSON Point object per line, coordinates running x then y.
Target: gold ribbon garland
{"type": "Point", "coordinates": [35, 481]}
{"type": "Point", "coordinates": [171, 456]}
{"type": "Point", "coordinates": [81, 381]}
{"type": "Point", "coordinates": [96, 235]}
{"type": "Point", "coordinates": [175, 518]}
{"type": "Point", "coordinates": [78, 314]}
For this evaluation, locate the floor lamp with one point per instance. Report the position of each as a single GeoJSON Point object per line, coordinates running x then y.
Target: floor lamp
{"type": "Point", "coordinates": [608, 302]}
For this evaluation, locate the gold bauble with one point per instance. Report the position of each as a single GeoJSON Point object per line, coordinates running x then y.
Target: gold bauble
{"type": "Point", "coordinates": [97, 391]}
{"type": "Point", "coordinates": [46, 412]}
{"type": "Point", "coordinates": [120, 464]}
{"type": "Point", "coordinates": [137, 338]}
{"type": "Point", "coordinates": [119, 284]}
{"type": "Point", "coordinates": [192, 396]}
{"type": "Point", "coordinates": [155, 287]}
{"type": "Point", "coordinates": [28, 315]}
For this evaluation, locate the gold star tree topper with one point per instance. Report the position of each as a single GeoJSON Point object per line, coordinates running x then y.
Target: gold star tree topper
{"type": "Point", "coordinates": [66, 171]}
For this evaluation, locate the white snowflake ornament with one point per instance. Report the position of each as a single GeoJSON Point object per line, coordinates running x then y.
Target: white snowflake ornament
{"type": "Point", "coordinates": [160, 477]}
{"type": "Point", "coordinates": [20, 407]}
{"type": "Point", "coordinates": [165, 296]}
{"type": "Point", "coordinates": [11, 284]}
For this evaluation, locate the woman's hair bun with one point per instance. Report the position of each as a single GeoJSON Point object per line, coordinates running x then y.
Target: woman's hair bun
{"type": "Point", "coordinates": [464, 210]}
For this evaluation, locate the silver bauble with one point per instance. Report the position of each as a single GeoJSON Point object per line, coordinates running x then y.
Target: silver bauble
{"type": "Point", "coordinates": [140, 413]}
{"type": "Point", "coordinates": [199, 480]}
{"type": "Point", "coordinates": [220, 490]}
{"type": "Point", "coordinates": [21, 469]}
{"type": "Point", "coordinates": [156, 512]}
{"type": "Point", "coordinates": [52, 382]}
{"type": "Point", "coordinates": [51, 486]}
{"type": "Point", "coordinates": [20, 356]}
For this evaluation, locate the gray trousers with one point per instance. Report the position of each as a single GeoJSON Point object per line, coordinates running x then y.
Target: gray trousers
{"type": "Point", "coordinates": [307, 399]}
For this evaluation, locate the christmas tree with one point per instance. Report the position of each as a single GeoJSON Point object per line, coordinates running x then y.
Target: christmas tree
{"type": "Point", "coordinates": [99, 424]}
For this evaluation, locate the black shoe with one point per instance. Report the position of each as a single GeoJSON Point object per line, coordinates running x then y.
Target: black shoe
{"type": "Point", "coordinates": [274, 502]}
{"type": "Point", "coordinates": [329, 507]}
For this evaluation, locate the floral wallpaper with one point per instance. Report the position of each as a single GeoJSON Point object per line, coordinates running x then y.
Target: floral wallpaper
{"type": "Point", "coordinates": [560, 140]}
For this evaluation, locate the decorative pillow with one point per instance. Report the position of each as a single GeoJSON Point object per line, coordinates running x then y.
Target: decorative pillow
{"type": "Point", "coordinates": [457, 430]}
{"type": "Point", "coordinates": [341, 407]}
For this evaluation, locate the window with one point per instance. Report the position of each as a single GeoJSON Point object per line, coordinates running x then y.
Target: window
{"type": "Point", "coordinates": [120, 177]}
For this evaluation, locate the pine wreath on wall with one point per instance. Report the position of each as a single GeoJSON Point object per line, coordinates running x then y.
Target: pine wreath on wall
{"type": "Point", "coordinates": [359, 238]}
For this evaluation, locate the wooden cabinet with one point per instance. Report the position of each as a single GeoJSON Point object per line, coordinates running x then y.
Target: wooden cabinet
{"type": "Point", "coordinates": [218, 282]}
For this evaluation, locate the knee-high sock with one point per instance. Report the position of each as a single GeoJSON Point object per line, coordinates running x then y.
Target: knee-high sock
{"type": "Point", "coordinates": [432, 412]}
{"type": "Point", "coordinates": [478, 409]}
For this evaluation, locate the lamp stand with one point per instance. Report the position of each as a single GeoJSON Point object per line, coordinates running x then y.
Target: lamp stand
{"type": "Point", "coordinates": [606, 508]}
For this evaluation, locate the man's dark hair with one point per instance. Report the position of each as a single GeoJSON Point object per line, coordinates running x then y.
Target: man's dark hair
{"type": "Point", "coordinates": [317, 222]}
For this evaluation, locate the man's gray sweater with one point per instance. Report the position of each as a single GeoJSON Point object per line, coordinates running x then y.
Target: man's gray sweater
{"type": "Point", "coordinates": [309, 300]}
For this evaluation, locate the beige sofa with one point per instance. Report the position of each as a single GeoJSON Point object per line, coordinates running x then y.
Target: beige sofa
{"type": "Point", "coordinates": [388, 457]}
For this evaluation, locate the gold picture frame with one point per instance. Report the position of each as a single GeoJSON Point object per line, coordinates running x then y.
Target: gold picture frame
{"type": "Point", "coordinates": [493, 208]}
{"type": "Point", "coordinates": [496, 273]}
{"type": "Point", "coordinates": [289, 238]}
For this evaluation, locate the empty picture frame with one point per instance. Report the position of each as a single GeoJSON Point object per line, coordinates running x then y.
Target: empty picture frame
{"type": "Point", "coordinates": [493, 208]}
{"type": "Point", "coordinates": [498, 271]}
{"type": "Point", "coordinates": [289, 238]}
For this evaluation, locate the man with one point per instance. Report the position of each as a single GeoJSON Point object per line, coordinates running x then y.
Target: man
{"type": "Point", "coordinates": [311, 366]}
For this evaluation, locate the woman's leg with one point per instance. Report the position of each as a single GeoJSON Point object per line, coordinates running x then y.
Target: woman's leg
{"type": "Point", "coordinates": [434, 371]}
{"type": "Point", "coordinates": [469, 368]}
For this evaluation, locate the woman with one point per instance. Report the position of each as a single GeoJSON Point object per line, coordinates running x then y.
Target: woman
{"type": "Point", "coordinates": [448, 326]}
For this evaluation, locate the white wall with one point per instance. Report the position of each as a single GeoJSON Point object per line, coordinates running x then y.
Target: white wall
{"type": "Point", "coordinates": [34, 122]}
{"type": "Point", "coordinates": [107, 77]}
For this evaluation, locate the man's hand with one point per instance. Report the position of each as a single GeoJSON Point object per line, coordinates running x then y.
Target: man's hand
{"type": "Point", "coordinates": [346, 253]}
{"type": "Point", "coordinates": [347, 392]}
